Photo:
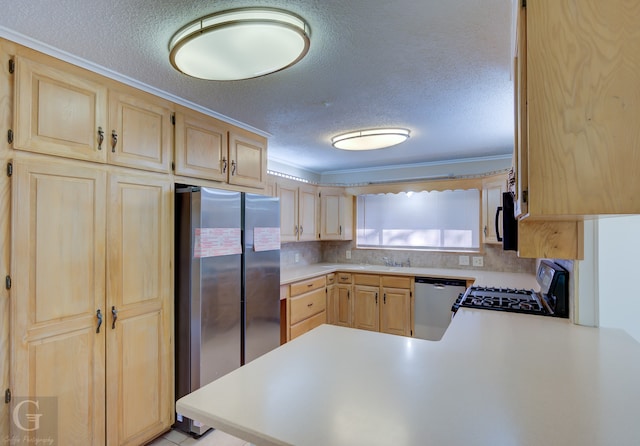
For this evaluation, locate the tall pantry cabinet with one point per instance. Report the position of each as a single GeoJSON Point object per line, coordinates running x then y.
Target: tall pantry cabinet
{"type": "Point", "coordinates": [92, 244]}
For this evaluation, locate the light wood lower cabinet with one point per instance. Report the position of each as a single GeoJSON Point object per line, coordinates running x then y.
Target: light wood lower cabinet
{"type": "Point", "coordinates": [379, 303]}
{"type": "Point", "coordinates": [306, 306]}
{"type": "Point", "coordinates": [396, 315]}
{"type": "Point", "coordinates": [101, 347]}
{"type": "Point", "coordinates": [366, 314]}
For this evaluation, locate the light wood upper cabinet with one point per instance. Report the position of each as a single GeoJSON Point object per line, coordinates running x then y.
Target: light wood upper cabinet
{"type": "Point", "coordinates": [492, 190]}
{"type": "Point", "coordinates": [139, 307]}
{"type": "Point", "coordinates": [140, 131]}
{"type": "Point", "coordinates": [298, 211]}
{"type": "Point", "coordinates": [59, 112]}
{"type": "Point", "coordinates": [579, 76]}
{"type": "Point", "coordinates": [65, 111]}
{"type": "Point", "coordinates": [59, 285]}
{"type": "Point", "coordinates": [307, 214]}
{"type": "Point", "coordinates": [247, 159]}
{"type": "Point", "coordinates": [336, 214]}
{"type": "Point", "coordinates": [201, 146]}
{"type": "Point", "coordinates": [214, 150]}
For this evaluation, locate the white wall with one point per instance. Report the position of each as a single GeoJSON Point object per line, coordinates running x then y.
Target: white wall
{"type": "Point", "coordinates": [618, 268]}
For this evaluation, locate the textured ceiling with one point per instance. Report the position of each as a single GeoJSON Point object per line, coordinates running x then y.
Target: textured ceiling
{"type": "Point", "coordinates": [438, 67]}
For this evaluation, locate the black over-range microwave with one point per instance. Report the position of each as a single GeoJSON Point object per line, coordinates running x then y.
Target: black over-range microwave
{"type": "Point", "coordinates": [509, 236]}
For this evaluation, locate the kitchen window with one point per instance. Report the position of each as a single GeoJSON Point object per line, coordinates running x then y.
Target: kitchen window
{"type": "Point", "coordinates": [428, 220]}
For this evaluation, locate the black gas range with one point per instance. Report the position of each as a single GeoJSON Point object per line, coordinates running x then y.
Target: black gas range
{"type": "Point", "coordinates": [552, 300]}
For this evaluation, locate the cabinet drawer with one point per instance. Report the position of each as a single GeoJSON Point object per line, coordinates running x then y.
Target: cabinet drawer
{"type": "Point", "coordinates": [331, 279]}
{"type": "Point", "coordinates": [344, 278]}
{"type": "Point", "coordinates": [396, 282]}
{"type": "Point", "coordinates": [307, 285]}
{"type": "Point", "coordinates": [308, 324]}
{"type": "Point", "coordinates": [366, 279]}
{"type": "Point", "coordinates": [307, 305]}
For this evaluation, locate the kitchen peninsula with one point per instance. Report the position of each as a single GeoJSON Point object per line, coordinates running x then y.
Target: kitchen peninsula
{"type": "Point", "coordinates": [494, 379]}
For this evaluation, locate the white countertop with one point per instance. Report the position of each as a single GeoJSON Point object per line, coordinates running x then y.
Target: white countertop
{"type": "Point", "coordinates": [494, 379]}
{"type": "Point", "coordinates": [479, 276]}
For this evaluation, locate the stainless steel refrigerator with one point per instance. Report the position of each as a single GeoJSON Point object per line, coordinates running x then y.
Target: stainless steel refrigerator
{"type": "Point", "coordinates": [227, 307]}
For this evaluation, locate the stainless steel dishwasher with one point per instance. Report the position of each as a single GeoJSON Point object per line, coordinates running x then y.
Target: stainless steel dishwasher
{"type": "Point", "coordinates": [434, 298]}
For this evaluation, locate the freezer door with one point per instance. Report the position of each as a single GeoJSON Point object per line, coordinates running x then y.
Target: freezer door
{"type": "Point", "coordinates": [261, 279]}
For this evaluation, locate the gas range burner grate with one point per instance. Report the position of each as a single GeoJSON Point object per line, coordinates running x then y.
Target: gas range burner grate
{"type": "Point", "coordinates": [505, 299]}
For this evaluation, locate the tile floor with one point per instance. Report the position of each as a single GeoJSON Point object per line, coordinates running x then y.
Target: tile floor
{"type": "Point", "coordinates": [212, 438]}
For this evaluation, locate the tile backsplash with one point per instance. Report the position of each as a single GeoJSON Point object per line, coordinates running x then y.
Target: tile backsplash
{"type": "Point", "coordinates": [494, 258]}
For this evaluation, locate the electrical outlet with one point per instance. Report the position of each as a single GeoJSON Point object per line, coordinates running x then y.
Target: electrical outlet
{"type": "Point", "coordinates": [348, 254]}
{"type": "Point", "coordinates": [296, 257]}
{"type": "Point", "coordinates": [463, 260]}
{"type": "Point", "coordinates": [478, 261]}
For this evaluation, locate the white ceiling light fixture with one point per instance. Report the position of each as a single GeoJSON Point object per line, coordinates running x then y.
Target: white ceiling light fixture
{"type": "Point", "coordinates": [240, 44]}
{"type": "Point", "coordinates": [370, 139]}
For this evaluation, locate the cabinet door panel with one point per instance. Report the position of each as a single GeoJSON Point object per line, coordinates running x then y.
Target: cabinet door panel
{"type": "Point", "coordinates": [58, 112]}
{"type": "Point", "coordinates": [201, 146]}
{"type": "Point", "coordinates": [307, 215]}
{"type": "Point", "coordinates": [395, 312]}
{"type": "Point", "coordinates": [143, 129]}
{"type": "Point", "coordinates": [288, 213]}
{"type": "Point", "coordinates": [366, 312]}
{"type": "Point", "coordinates": [344, 310]}
{"type": "Point", "coordinates": [58, 236]}
{"type": "Point", "coordinates": [330, 225]}
{"type": "Point", "coordinates": [139, 287]}
{"type": "Point", "coordinates": [248, 165]}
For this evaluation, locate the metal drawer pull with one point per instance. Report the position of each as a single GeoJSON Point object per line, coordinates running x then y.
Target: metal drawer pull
{"type": "Point", "coordinates": [224, 164]}
{"type": "Point", "coordinates": [99, 317]}
{"type": "Point", "coordinates": [376, 298]}
{"type": "Point", "coordinates": [114, 312]}
{"type": "Point", "coordinates": [114, 141]}
{"type": "Point", "coordinates": [233, 167]}
{"type": "Point", "coordinates": [309, 285]}
{"type": "Point", "coordinates": [310, 305]}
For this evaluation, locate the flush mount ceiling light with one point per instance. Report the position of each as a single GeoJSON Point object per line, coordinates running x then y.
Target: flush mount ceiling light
{"type": "Point", "coordinates": [239, 44]}
{"type": "Point", "coordinates": [370, 139]}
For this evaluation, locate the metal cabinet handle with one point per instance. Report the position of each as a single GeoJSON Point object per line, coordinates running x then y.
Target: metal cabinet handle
{"type": "Point", "coordinates": [224, 164]}
{"type": "Point", "coordinates": [301, 229]}
{"type": "Point", "coordinates": [99, 317]}
{"type": "Point", "coordinates": [295, 230]}
{"type": "Point", "coordinates": [340, 230]}
{"type": "Point", "coordinates": [485, 230]}
{"type": "Point", "coordinates": [376, 298]}
{"type": "Point", "coordinates": [233, 167]}
{"type": "Point", "coordinates": [310, 305]}
{"type": "Point", "coordinates": [114, 312]}
{"type": "Point", "coordinates": [114, 141]}
{"type": "Point", "coordinates": [100, 138]}
{"type": "Point", "coordinates": [384, 298]}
